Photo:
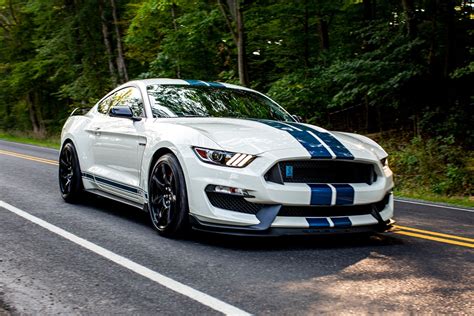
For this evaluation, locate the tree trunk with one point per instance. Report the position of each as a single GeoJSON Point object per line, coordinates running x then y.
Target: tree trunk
{"type": "Point", "coordinates": [108, 46]}
{"type": "Point", "coordinates": [241, 56]}
{"type": "Point", "coordinates": [175, 26]}
{"type": "Point", "coordinates": [434, 27]}
{"type": "Point", "coordinates": [121, 67]}
{"type": "Point", "coordinates": [323, 30]}
{"type": "Point", "coordinates": [367, 116]}
{"type": "Point", "coordinates": [450, 60]}
{"type": "Point", "coordinates": [35, 114]}
{"type": "Point", "coordinates": [409, 9]}
{"type": "Point", "coordinates": [306, 34]}
{"type": "Point", "coordinates": [238, 34]}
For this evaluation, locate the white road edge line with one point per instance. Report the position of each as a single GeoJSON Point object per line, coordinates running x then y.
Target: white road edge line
{"type": "Point", "coordinates": [165, 281]}
{"type": "Point", "coordinates": [435, 205]}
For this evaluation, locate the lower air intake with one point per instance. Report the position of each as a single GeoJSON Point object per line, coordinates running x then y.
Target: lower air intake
{"type": "Point", "coordinates": [233, 203]}
{"type": "Point", "coordinates": [239, 204]}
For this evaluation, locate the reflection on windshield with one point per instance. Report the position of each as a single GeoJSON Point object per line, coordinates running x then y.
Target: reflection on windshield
{"type": "Point", "coordinates": [189, 101]}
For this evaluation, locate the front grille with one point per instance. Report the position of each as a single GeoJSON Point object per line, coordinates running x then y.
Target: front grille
{"type": "Point", "coordinates": [321, 171]}
{"type": "Point", "coordinates": [324, 211]}
{"type": "Point", "coordinates": [233, 203]}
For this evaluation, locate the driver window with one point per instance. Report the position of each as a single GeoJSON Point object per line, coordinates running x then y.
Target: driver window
{"type": "Point", "coordinates": [104, 106]}
{"type": "Point", "coordinates": [130, 97]}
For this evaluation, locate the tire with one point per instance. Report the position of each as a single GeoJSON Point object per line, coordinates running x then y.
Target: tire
{"type": "Point", "coordinates": [70, 176]}
{"type": "Point", "coordinates": [167, 198]}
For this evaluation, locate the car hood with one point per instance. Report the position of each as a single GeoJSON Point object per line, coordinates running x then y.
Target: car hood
{"type": "Point", "coordinates": [256, 136]}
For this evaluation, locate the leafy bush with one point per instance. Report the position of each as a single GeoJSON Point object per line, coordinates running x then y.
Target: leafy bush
{"type": "Point", "coordinates": [431, 165]}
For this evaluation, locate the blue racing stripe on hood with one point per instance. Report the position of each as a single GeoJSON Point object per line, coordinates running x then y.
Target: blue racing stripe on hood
{"type": "Point", "coordinates": [311, 144]}
{"type": "Point", "coordinates": [336, 146]}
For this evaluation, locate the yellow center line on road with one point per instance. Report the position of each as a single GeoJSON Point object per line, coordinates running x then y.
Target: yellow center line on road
{"type": "Point", "coordinates": [443, 240]}
{"type": "Point", "coordinates": [416, 230]}
{"type": "Point", "coordinates": [28, 157]}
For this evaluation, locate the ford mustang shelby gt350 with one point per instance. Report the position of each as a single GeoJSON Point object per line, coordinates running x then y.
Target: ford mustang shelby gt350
{"type": "Point", "coordinates": [223, 158]}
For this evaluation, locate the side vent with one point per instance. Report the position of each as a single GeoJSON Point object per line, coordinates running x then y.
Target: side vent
{"type": "Point", "coordinates": [274, 175]}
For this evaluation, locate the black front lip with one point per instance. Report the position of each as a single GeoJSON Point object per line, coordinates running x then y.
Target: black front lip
{"type": "Point", "coordinates": [257, 230]}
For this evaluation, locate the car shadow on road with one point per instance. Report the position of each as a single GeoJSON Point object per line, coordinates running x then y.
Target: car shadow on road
{"type": "Point", "coordinates": [117, 209]}
{"type": "Point", "coordinates": [278, 243]}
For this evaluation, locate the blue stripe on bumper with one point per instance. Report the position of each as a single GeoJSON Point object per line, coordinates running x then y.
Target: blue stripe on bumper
{"type": "Point", "coordinates": [321, 194]}
{"type": "Point", "coordinates": [344, 194]}
{"type": "Point", "coordinates": [318, 222]}
{"type": "Point", "coordinates": [341, 221]}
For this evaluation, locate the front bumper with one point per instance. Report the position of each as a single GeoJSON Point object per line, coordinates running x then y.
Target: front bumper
{"type": "Point", "coordinates": [286, 231]}
{"type": "Point", "coordinates": [206, 216]}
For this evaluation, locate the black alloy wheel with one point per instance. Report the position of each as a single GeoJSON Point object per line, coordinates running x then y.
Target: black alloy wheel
{"type": "Point", "coordinates": [70, 178]}
{"type": "Point", "coordinates": [168, 205]}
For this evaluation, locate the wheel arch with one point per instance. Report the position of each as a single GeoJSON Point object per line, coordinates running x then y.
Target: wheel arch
{"type": "Point", "coordinates": [70, 140]}
{"type": "Point", "coordinates": [157, 155]}
{"type": "Point", "coordinates": [67, 140]}
{"type": "Point", "coordinates": [159, 151]}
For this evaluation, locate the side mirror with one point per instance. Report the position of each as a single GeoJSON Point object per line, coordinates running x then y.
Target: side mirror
{"type": "Point", "coordinates": [123, 111]}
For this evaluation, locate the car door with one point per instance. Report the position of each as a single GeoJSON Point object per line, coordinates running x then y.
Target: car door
{"type": "Point", "coordinates": [118, 145]}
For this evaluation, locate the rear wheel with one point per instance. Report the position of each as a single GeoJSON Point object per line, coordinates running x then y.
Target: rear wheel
{"type": "Point", "coordinates": [168, 201]}
{"type": "Point", "coordinates": [70, 177]}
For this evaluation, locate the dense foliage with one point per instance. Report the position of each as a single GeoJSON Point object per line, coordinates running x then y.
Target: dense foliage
{"type": "Point", "coordinates": [434, 166]}
{"type": "Point", "coordinates": [355, 65]}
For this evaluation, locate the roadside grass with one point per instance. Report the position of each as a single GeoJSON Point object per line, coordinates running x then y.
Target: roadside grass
{"type": "Point", "coordinates": [466, 201]}
{"type": "Point", "coordinates": [52, 141]}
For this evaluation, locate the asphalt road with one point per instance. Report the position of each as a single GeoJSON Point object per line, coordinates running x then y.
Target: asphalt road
{"type": "Point", "coordinates": [413, 270]}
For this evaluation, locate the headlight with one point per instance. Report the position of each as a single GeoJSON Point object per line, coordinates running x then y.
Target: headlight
{"type": "Point", "coordinates": [223, 158]}
{"type": "Point", "coordinates": [384, 161]}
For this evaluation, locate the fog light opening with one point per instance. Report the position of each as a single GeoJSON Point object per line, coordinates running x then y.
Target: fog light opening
{"type": "Point", "coordinates": [227, 190]}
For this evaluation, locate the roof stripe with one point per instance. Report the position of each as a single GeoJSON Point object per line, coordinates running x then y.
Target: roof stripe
{"type": "Point", "coordinates": [198, 83]}
{"type": "Point", "coordinates": [216, 84]}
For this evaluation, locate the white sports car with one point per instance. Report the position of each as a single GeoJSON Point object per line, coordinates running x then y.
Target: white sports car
{"type": "Point", "coordinates": [223, 158]}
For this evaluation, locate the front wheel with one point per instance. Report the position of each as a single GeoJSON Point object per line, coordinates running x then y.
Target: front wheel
{"type": "Point", "coordinates": [168, 201]}
{"type": "Point", "coordinates": [70, 177]}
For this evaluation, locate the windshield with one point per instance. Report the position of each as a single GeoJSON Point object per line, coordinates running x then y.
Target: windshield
{"type": "Point", "coordinates": [193, 101]}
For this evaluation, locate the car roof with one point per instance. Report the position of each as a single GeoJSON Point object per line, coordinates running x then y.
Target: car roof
{"type": "Point", "coordinates": [185, 82]}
